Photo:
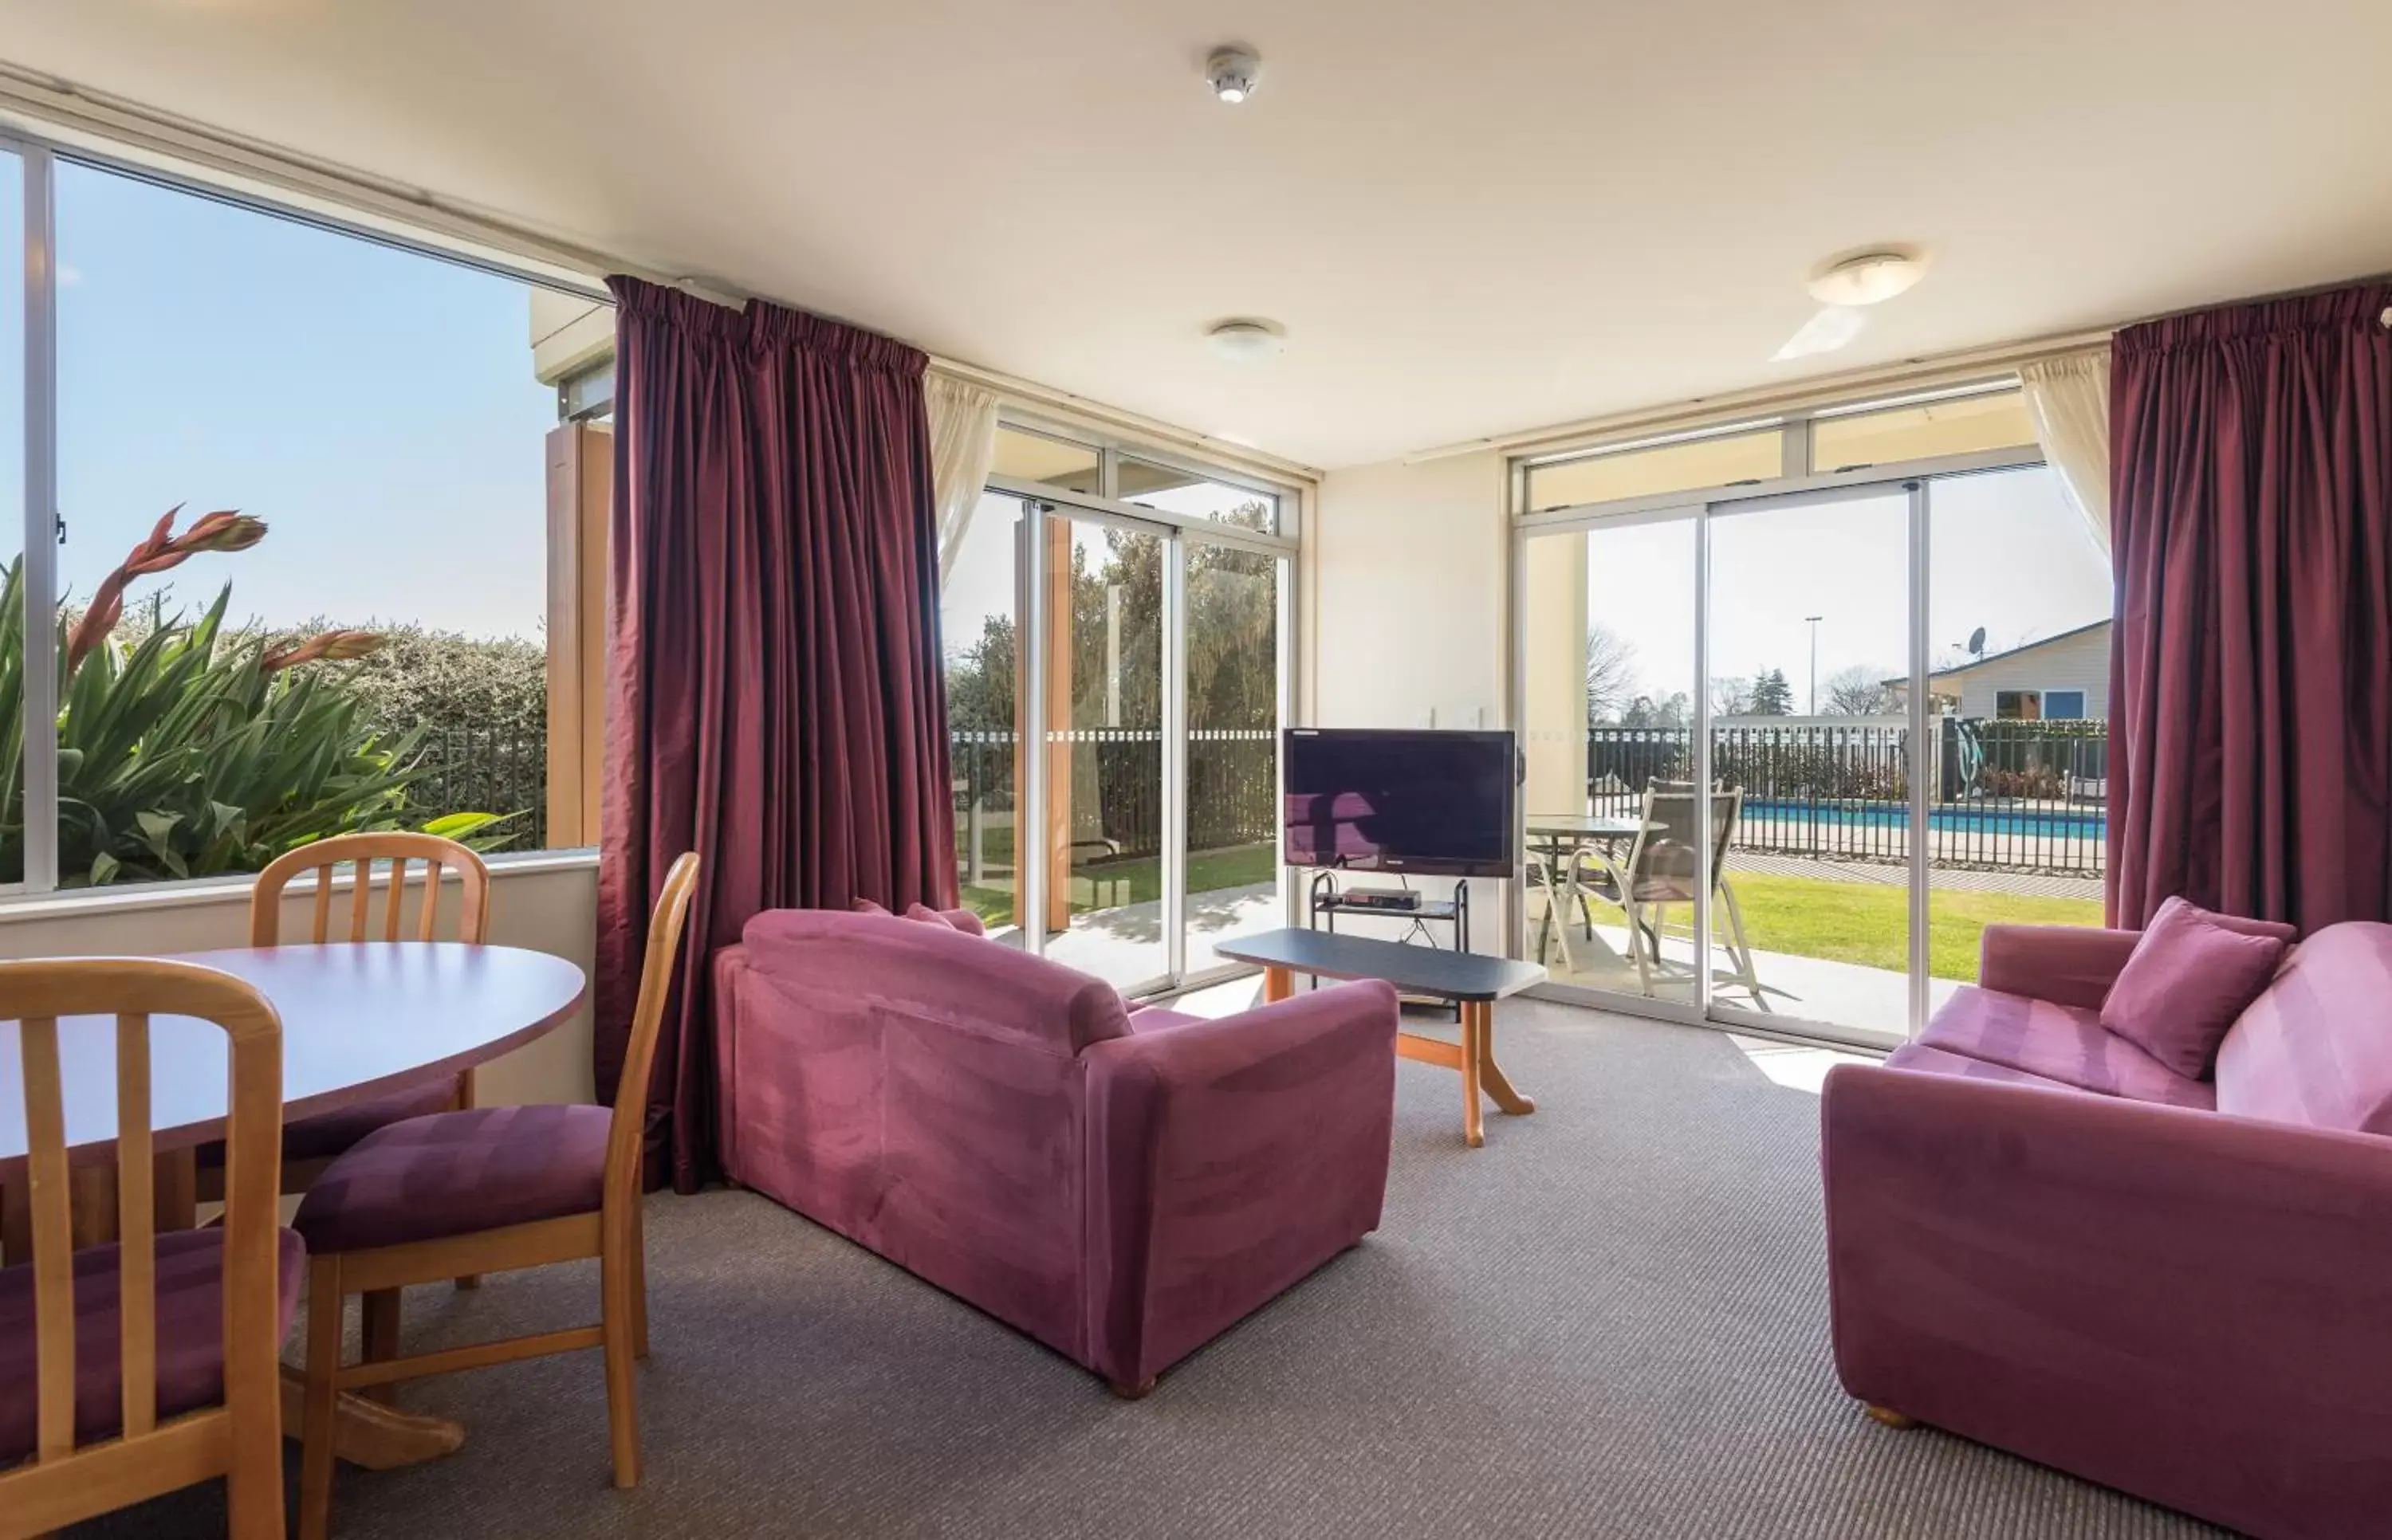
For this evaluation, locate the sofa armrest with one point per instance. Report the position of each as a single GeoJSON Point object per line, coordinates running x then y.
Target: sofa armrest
{"type": "Point", "coordinates": [2185, 1305]}
{"type": "Point", "coordinates": [1227, 1160]}
{"type": "Point", "coordinates": [2065, 964]}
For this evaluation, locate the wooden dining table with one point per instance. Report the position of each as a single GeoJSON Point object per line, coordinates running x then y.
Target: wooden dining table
{"type": "Point", "coordinates": [359, 1020]}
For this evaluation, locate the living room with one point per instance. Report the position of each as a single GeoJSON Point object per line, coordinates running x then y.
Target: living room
{"type": "Point", "coordinates": [1625, 774]}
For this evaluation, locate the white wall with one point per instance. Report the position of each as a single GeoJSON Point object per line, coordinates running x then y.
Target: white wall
{"type": "Point", "coordinates": [547, 906]}
{"type": "Point", "coordinates": [1409, 576]}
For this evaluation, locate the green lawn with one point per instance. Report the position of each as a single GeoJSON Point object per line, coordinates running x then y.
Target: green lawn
{"type": "Point", "coordinates": [1844, 922]}
{"type": "Point", "coordinates": [1868, 923]}
{"type": "Point", "coordinates": [1112, 884]}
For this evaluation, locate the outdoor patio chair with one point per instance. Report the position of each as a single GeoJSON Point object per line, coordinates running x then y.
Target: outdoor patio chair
{"type": "Point", "coordinates": [1659, 873]}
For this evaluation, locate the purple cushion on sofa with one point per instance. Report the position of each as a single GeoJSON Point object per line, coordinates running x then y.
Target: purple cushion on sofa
{"type": "Point", "coordinates": [2316, 1047]}
{"type": "Point", "coordinates": [456, 1172]}
{"type": "Point", "coordinates": [2191, 974]}
{"type": "Point", "coordinates": [1926, 1059]}
{"type": "Point", "coordinates": [191, 1334]}
{"type": "Point", "coordinates": [2060, 1042]}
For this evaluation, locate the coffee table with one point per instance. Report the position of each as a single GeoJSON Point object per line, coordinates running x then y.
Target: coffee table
{"type": "Point", "coordinates": [1471, 981]}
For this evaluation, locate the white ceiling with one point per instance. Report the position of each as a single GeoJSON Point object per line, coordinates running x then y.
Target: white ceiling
{"type": "Point", "coordinates": [1472, 218]}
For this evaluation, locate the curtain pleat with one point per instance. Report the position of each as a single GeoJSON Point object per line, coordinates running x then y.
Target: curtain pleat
{"type": "Point", "coordinates": [2068, 398]}
{"type": "Point", "coordinates": [2251, 676]}
{"type": "Point", "coordinates": [776, 699]}
{"type": "Point", "coordinates": [963, 451]}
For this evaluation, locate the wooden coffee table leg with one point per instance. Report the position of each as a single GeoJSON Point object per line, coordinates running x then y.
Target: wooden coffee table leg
{"type": "Point", "coordinates": [1474, 1055]}
{"type": "Point", "coordinates": [1491, 1076]}
{"type": "Point", "coordinates": [1278, 984]}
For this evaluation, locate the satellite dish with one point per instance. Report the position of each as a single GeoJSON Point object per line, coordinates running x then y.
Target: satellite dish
{"type": "Point", "coordinates": [1977, 643]}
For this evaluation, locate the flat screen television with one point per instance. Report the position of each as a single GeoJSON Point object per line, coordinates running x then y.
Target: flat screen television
{"type": "Point", "coordinates": [1376, 799]}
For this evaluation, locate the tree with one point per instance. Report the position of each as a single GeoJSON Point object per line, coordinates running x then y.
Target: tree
{"type": "Point", "coordinates": [1859, 690]}
{"type": "Point", "coordinates": [1672, 711]}
{"type": "Point", "coordinates": [1772, 696]}
{"type": "Point", "coordinates": [1731, 697]}
{"type": "Point", "coordinates": [1610, 672]}
{"type": "Point", "coordinates": [981, 680]}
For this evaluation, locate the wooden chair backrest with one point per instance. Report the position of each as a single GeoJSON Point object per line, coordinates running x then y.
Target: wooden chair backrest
{"type": "Point", "coordinates": [628, 1133]}
{"type": "Point", "coordinates": [35, 995]}
{"type": "Point", "coordinates": [360, 851]}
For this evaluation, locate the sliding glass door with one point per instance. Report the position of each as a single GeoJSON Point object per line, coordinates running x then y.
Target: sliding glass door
{"type": "Point", "coordinates": [1103, 742]}
{"type": "Point", "coordinates": [1787, 755]}
{"type": "Point", "coordinates": [1116, 635]}
{"type": "Point", "coordinates": [1809, 620]}
{"type": "Point", "coordinates": [1233, 665]}
{"type": "Point", "coordinates": [1609, 667]}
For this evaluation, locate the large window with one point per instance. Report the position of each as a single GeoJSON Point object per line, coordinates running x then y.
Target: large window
{"type": "Point", "coordinates": [1114, 634]}
{"type": "Point", "coordinates": [302, 560]}
{"type": "Point", "coordinates": [1793, 746]}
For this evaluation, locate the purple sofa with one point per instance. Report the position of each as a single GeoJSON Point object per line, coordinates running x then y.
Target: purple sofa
{"type": "Point", "coordinates": [1122, 1186]}
{"type": "Point", "coordinates": [2040, 1239]}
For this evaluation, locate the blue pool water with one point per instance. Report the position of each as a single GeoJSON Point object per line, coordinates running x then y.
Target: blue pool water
{"type": "Point", "coordinates": [2012, 821]}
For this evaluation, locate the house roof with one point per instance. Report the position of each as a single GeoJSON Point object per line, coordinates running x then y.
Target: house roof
{"type": "Point", "coordinates": [1959, 669]}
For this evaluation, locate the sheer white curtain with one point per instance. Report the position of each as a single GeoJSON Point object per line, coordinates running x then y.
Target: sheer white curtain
{"type": "Point", "coordinates": [962, 446]}
{"type": "Point", "coordinates": [2069, 400]}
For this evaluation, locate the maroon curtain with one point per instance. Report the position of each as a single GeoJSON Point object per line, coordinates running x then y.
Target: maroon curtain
{"type": "Point", "coordinates": [774, 699]}
{"type": "Point", "coordinates": [2251, 710]}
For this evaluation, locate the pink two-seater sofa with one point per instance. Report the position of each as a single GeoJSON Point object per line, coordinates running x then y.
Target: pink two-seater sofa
{"type": "Point", "coordinates": [2041, 1238]}
{"type": "Point", "coordinates": [1121, 1186]}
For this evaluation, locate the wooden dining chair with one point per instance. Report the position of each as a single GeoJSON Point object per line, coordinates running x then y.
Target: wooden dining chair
{"type": "Point", "coordinates": [489, 1190]}
{"type": "Point", "coordinates": [132, 1369]}
{"type": "Point", "coordinates": [311, 1144]}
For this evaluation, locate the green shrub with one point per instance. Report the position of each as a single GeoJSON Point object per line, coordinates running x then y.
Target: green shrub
{"type": "Point", "coordinates": [186, 750]}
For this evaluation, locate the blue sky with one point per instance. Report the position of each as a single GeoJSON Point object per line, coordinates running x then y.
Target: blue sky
{"type": "Point", "coordinates": [375, 407]}
{"type": "Point", "coordinates": [2005, 551]}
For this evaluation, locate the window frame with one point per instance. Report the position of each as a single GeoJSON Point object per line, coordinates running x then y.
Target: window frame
{"type": "Point", "coordinates": [39, 157]}
{"type": "Point", "coordinates": [1797, 470]}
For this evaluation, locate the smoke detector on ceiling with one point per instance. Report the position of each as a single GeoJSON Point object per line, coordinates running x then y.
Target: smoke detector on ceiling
{"type": "Point", "coordinates": [1246, 342]}
{"type": "Point", "coordinates": [1233, 71]}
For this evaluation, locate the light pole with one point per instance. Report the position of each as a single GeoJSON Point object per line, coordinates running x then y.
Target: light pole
{"type": "Point", "coordinates": [1812, 621]}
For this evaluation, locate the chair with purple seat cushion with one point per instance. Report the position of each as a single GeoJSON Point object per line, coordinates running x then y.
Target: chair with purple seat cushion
{"type": "Point", "coordinates": [490, 1189]}
{"type": "Point", "coordinates": [131, 1370]}
{"type": "Point", "coordinates": [2041, 1238]}
{"type": "Point", "coordinates": [310, 1144]}
{"type": "Point", "coordinates": [1123, 1187]}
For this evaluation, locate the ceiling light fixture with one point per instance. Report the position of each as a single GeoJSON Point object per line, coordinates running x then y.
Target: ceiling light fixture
{"type": "Point", "coordinates": [1233, 71]}
{"type": "Point", "coordinates": [1245, 341]}
{"type": "Point", "coordinates": [1867, 278]}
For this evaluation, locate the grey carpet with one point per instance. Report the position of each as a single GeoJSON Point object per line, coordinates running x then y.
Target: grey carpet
{"type": "Point", "coordinates": [1609, 1321]}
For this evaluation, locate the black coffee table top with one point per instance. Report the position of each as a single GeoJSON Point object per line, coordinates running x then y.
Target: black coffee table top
{"type": "Point", "coordinates": [1414, 969]}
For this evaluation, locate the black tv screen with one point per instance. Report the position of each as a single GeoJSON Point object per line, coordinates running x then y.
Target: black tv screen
{"type": "Point", "coordinates": [1373, 799]}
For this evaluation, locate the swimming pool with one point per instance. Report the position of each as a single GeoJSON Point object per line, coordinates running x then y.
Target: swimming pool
{"type": "Point", "coordinates": [2011, 822]}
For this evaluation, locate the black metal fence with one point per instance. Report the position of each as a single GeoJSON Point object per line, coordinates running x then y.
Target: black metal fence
{"type": "Point", "coordinates": [1116, 787]}
{"type": "Point", "coordinates": [487, 769]}
{"type": "Point", "coordinates": [2010, 796]}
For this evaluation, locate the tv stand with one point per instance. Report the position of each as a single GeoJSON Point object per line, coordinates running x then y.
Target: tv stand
{"type": "Point", "coordinates": [1327, 898]}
